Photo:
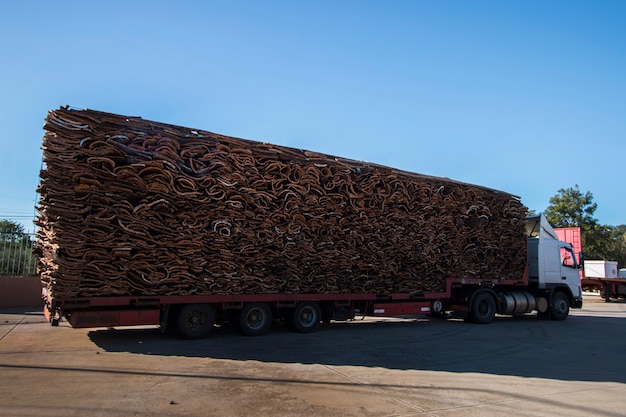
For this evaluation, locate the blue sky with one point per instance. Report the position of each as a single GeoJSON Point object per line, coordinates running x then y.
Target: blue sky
{"type": "Point", "coordinates": [527, 97]}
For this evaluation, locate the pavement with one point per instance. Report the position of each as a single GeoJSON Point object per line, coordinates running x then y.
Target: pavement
{"type": "Point", "coordinates": [412, 366]}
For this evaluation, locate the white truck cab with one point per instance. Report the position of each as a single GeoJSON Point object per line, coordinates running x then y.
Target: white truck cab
{"type": "Point", "coordinates": [553, 270]}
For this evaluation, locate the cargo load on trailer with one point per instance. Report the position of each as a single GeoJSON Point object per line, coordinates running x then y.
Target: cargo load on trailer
{"type": "Point", "coordinates": [130, 206]}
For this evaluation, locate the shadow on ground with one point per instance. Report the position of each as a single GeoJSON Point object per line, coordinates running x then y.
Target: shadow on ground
{"type": "Point", "coordinates": [582, 348]}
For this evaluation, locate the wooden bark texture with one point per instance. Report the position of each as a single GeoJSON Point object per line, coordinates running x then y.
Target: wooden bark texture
{"type": "Point", "coordinates": [135, 207]}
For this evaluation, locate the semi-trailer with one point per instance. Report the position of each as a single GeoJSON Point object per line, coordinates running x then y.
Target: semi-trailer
{"type": "Point", "coordinates": [605, 276]}
{"type": "Point", "coordinates": [596, 275]}
{"type": "Point", "coordinates": [145, 223]}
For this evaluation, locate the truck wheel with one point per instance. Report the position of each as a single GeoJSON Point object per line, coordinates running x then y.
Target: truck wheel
{"type": "Point", "coordinates": [483, 308]}
{"type": "Point", "coordinates": [305, 318]}
{"type": "Point", "coordinates": [255, 319]}
{"type": "Point", "coordinates": [195, 321]}
{"type": "Point", "coordinates": [560, 306]}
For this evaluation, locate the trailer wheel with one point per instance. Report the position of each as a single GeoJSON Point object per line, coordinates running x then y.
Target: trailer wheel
{"type": "Point", "coordinates": [560, 306]}
{"type": "Point", "coordinates": [305, 318]}
{"type": "Point", "coordinates": [255, 319]}
{"type": "Point", "coordinates": [483, 308]}
{"type": "Point", "coordinates": [195, 321]}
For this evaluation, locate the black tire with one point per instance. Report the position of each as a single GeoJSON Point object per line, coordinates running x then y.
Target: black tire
{"type": "Point", "coordinates": [483, 309]}
{"type": "Point", "coordinates": [255, 319]}
{"type": "Point", "coordinates": [305, 318]}
{"type": "Point", "coordinates": [559, 309]}
{"type": "Point", "coordinates": [195, 321]}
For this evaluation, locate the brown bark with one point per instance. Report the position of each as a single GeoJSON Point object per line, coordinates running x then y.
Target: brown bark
{"type": "Point", "coordinates": [134, 207]}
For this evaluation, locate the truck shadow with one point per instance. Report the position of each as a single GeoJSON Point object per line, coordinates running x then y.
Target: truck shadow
{"type": "Point", "coordinates": [582, 348]}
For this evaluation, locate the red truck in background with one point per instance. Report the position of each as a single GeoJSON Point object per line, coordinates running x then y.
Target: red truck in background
{"type": "Point", "coordinates": [573, 236]}
{"type": "Point", "coordinates": [596, 275]}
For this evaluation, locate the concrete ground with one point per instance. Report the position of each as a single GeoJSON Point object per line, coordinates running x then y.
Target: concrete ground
{"type": "Point", "coordinates": [392, 367]}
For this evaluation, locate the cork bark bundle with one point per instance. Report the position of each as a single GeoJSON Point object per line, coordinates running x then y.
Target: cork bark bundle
{"type": "Point", "coordinates": [135, 207]}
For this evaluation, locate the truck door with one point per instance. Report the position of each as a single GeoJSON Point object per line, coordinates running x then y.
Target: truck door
{"type": "Point", "coordinates": [569, 267]}
{"type": "Point", "coordinates": [570, 273]}
{"type": "Point", "coordinates": [560, 265]}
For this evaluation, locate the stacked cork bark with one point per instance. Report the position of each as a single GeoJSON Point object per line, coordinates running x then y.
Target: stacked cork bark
{"type": "Point", "coordinates": [134, 207]}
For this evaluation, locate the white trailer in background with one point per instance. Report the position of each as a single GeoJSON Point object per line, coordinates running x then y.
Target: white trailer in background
{"type": "Point", "coordinates": [601, 269]}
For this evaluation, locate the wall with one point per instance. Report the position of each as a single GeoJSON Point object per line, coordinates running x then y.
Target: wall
{"type": "Point", "coordinates": [20, 292]}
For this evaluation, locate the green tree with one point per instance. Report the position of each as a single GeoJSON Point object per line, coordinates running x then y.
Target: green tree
{"type": "Point", "coordinates": [596, 241]}
{"type": "Point", "coordinates": [11, 231]}
{"type": "Point", "coordinates": [571, 208]}
{"type": "Point", "coordinates": [617, 245]}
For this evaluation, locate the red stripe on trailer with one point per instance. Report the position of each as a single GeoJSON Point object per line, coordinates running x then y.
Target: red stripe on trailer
{"type": "Point", "coordinates": [149, 301]}
{"type": "Point", "coordinates": [113, 318]}
{"type": "Point", "coordinates": [400, 309]}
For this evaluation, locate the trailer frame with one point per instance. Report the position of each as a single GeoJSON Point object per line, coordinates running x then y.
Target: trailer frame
{"type": "Point", "coordinates": [113, 311]}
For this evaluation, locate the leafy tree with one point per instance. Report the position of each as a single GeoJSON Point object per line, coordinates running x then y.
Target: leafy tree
{"type": "Point", "coordinates": [11, 231]}
{"type": "Point", "coordinates": [596, 241]}
{"type": "Point", "coordinates": [617, 245]}
{"type": "Point", "coordinates": [571, 208]}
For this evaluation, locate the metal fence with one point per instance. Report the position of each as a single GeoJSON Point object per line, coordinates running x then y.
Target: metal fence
{"type": "Point", "coordinates": [16, 254]}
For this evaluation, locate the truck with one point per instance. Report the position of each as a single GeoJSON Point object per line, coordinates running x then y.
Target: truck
{"type": "Point", "coordinates": [605, 276]}
{"type": "Point", "coordinates": [135, 230]}
{"type": "Point", "coordinates": [600, 276]}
